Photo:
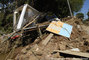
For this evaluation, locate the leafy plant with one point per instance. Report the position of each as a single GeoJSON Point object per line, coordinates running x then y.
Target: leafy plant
{"type": "Point", "coordinates": [80, 15]}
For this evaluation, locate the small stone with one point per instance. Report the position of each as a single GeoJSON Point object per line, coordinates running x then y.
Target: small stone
{"type": "Point", "coordinates": [39, 53]}
{"type": "Point", "coordinates": [24, 51]}
{"type": "Point", "coordinates": [56, 55]}
{"type": "Point", "coordinates": [62, 47]}
{"type": "Point", "coordinates": [9, 59]}
{"type": "Point", "coordinates": [86, 42]}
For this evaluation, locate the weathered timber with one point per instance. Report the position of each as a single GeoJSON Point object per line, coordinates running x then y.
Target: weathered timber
{"type": "Point", "coordinates": [76, 53]}
{"type": "Point", "coordinates": [47, 39]}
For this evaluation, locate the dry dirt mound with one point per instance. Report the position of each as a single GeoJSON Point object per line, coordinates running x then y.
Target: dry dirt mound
{"type": "Point", "coordinates": [37, 51]}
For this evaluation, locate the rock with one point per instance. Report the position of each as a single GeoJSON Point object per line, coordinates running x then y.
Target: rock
{"type": "Point", "coordinates": [34, 47]}
{"type": "Point", "coordinates": [79, 27]}
{"type": "Point", "coordinates": [56, 55]}
{"type": "Point", "coordinates": [32, 57]}
{"type": "Point", "coordinates": [86, 42]}
{"type": "Point", "coordinates": [24, 51]}
{"type": "Point", "coordinates": [62, 46]}
{"type": "Point", "coordinates": [10, 59]}
{"type": "Point", "coordinates": [39, 53]}
{"type": "Point", "coordinates": [23, 57]}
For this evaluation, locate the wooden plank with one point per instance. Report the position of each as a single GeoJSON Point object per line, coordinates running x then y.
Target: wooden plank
{"type": "Point", "coordinates": [40, 33]}
{"type": "Point", "coordinates": [30, 22]}
{"type": "Point", "coordinates": [81, 54]}
{"type": "Point", "coordinates": [47, 39]}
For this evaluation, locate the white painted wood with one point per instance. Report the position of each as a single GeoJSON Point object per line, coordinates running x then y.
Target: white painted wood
{"type": "Point", "coordinates": [14, 19]}
{"type": "Point", "coordinates": [19, 25]}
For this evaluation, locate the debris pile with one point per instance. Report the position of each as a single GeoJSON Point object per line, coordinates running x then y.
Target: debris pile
{"type": "Point", "coordinates": [35, 39]}
{"type": "Point", "coordinates": [51, 50]}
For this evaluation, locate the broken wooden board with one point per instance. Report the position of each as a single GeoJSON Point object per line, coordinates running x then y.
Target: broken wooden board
{"type": "Point", "coordinates": [47, 39]}
{"type": "Point", "coordinates": [81, 54]}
